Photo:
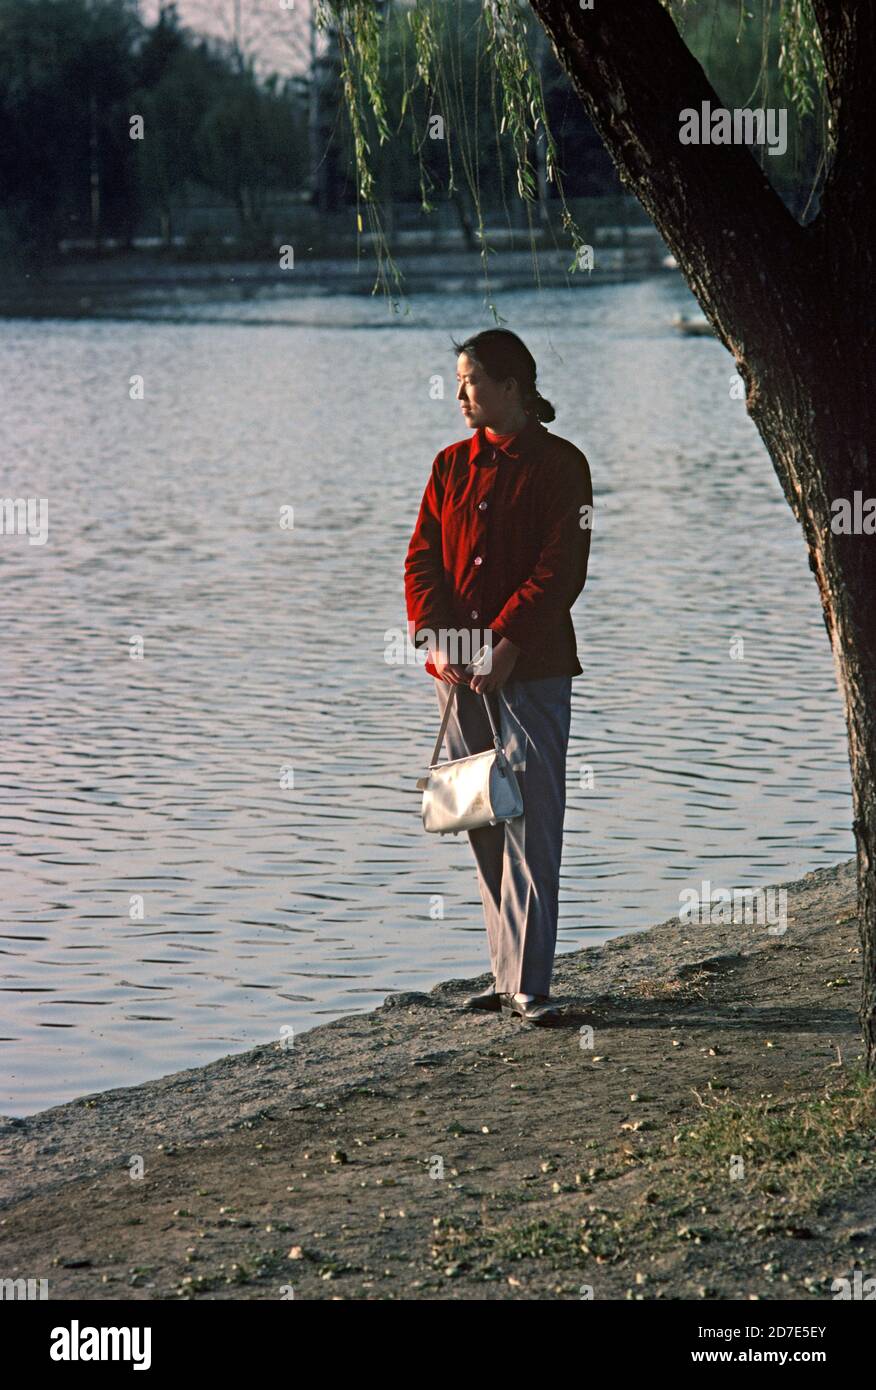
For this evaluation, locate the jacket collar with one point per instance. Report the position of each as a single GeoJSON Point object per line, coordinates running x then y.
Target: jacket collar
{"type": "Point", "coordinates": [528, 441]}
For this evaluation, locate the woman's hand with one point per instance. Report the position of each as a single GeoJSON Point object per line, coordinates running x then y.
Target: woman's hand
{"type": "Point", "coordinates": [504, 656]}
{"type": "Point", "coordinates": [448, 671]}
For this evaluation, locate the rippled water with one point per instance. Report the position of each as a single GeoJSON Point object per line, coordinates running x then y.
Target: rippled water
{"type": "Point", "coordinates": [267, 905]}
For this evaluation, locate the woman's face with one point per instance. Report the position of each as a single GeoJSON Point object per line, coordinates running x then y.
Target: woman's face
{"type": "Point", "coordinates": [483, 400]}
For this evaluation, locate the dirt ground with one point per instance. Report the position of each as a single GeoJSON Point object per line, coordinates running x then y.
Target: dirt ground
{"type": "Point", "coordinates": [712, 1139]}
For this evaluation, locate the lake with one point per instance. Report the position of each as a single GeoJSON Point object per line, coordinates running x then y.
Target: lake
{"type": "Point", "coordinates": [210, 826]}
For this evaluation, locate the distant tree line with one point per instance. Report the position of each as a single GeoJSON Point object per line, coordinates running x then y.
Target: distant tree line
{"type": "Point", "coordinates": [74, 75]}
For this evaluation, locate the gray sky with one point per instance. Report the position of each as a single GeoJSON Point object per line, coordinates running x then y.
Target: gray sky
{"type": "Point", "coordinates": [276, 31]}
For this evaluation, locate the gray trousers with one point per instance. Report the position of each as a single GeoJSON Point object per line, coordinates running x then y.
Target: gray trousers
{"type": "Point", "coordinates": [518, 862]}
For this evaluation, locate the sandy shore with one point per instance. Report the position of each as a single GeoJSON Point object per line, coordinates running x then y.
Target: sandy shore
{"type": "Point", "coordinates": [714, 1141]}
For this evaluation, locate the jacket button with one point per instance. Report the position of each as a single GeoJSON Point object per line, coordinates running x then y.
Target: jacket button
{"type": "Point", "coordinates": [475, 613]}
{"type": "Point", "coordinates": [479, 560]}
{"type": "Point", "coordinates": [482, 506]}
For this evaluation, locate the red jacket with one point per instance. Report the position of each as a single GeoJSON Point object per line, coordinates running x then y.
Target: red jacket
{"type": "Point", "coordinates": [502, 542]}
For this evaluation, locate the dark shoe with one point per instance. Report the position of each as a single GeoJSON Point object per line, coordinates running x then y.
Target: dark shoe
{"type": "Point", "coordinates": [487, 999]}
{"type": "Point", "coordinates": [541, 1009]}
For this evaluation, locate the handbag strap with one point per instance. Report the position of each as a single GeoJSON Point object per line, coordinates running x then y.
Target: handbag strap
{"type": "Point", "coordinates": [497, 738]}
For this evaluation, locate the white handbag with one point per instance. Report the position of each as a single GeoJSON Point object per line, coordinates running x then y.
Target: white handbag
{"type": "Point", "coordinates": [480, 789]}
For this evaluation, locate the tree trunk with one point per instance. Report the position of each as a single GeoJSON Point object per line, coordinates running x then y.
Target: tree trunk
{"type": "Point", "coordinates": [794, 304]}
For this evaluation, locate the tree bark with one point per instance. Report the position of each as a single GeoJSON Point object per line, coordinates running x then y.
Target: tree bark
{"type": "Point", "coordinates": [793, 304]}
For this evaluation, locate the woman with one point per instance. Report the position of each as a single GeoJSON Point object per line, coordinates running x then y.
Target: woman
{"type": "Point", "coordinates": [502, 541]}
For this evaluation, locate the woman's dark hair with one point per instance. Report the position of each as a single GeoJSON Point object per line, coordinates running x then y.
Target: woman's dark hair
{"type": "Point", "coordinates": [502, 354]}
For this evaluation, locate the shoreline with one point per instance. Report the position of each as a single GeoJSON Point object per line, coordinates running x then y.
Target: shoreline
{"type": "Point", "coordinates": [345, 1122]}
{"type": "Point", "coordinates": [140, 284]}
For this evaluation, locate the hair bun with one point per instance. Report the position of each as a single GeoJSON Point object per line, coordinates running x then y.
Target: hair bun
{"type": "Point", "coordinates": [541, 408]}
